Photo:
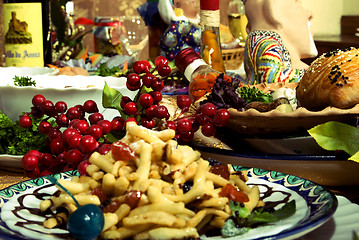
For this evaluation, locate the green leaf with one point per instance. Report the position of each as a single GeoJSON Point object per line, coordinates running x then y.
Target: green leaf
{"type": "Point", "coordinates": [336, 136]}
{"type": "Point", "coordinates": [355, 158]}
{"type": "Point", "coordinates": [111, 98]}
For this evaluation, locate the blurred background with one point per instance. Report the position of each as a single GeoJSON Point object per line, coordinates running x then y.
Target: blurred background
{"type": "Point", "coordinates": [331, 19]}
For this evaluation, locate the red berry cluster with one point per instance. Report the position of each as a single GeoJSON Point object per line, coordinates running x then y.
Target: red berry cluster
{"type": "Point", "coordinates": [146, 109]}
{"type": "Point", "coordinates": [207, 118]}
{"type": "Point", "coordinates": [69, 148]}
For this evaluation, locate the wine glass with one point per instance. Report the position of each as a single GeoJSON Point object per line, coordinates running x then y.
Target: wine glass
{"type": "Point", "coordinates": [237, 21]}
{"type": "Point", "coordinates": [134, 34]}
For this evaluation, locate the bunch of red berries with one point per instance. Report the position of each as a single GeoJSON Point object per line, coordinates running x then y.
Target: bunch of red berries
{"type": "Point", "coordinates": [146, 108]}
{"type": "Point", "coordinates": [70, 148]}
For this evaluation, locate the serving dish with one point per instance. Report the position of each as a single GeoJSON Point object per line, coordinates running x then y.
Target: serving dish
{"type": "Point", "coordinates": [314, 206]}
{"type": "Point", "coordinates": [73, 90]}
{"type": "Point", "coordinates": [27, 71]}
{"type": "Point", "coordinates": [327, 170]}
{"type": "Point", "coordinates": [252, 122]}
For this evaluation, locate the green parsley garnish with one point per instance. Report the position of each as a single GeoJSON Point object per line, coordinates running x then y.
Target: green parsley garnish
{"type": "Point", "coordinates": [253, 94]}
{"type": "Point", "coordinates": [24, 81]}
{"type": "Point", "coordinates": [104, 71]}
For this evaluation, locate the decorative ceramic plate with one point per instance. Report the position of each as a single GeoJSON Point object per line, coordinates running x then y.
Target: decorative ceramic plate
{"type": "Point", "coordinates": [253, 122]}
{"type": "Point", "coordinates": [314, 206]}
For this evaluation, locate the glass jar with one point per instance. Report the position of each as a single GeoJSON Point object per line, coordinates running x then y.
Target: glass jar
{"type": "Point", "coordinates": [200, 75]}
{"type": "Point", "coordinates": [107, 36]}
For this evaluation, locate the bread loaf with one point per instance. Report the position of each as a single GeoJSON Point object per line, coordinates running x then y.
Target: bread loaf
{"type": "Point", "coordinates": [331, 80]}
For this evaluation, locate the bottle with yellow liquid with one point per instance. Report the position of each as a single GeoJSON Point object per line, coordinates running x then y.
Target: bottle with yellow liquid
{"type": "Point", "coordinates": [27, 35]}
{"type": "Point", "coordinates": [211, 46]}
{"type": "Point", "coordinates": [237, 21]}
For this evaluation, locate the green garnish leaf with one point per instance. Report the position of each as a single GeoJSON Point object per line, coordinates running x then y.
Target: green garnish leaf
{"type": "Point", "coordinates": [243, 220]}
{"type": "Point", "coordinates": [337, 136]}
{"type": "Point", "coordinates": [111, 98]}
{"type": "Point", "coordinates": [104, 71]}
{"type": "Point", "coordinates": [253, 94]}
{"type": "Point", "coordinates": [15, 140]}
{"type": "Point", "coordinates": [24, 81]}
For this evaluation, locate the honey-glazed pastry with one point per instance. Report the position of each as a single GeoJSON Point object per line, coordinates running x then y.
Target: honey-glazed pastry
{"type": "Point", "coordinates": [331, 80]}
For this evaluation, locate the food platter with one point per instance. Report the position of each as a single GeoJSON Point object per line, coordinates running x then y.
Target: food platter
{"type": "Point", "coordinates": [252, 122]}
{"type": "Point", "coordinates": [315, 205]}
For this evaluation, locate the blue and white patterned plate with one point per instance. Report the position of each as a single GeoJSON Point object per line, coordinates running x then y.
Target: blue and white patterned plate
{"type": "Point", "coordinates": [314, 206]}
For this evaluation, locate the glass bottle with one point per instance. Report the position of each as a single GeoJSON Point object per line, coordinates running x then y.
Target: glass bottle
{"type": "Point", "coordinates": [200, 75]}
{"type": "Point", "coordinates": [237, 21]}
{"type": "Point", "coordinates": [27, 33]}
{"type": "Point", "coordinates": [211, 45]}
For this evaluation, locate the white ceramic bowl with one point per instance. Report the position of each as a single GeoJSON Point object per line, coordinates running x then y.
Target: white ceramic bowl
{"type": "Point", "coordinates": [73, 90]}
{"type": "Point", "coordinates": [27, 71]}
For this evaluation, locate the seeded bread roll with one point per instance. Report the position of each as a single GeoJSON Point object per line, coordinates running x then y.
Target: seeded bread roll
{"type": "Point", "coordinates": [331, 80]}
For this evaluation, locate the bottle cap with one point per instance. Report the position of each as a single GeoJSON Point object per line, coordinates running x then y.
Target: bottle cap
{"type": "Point", "coordinates": [185, 57]}
{"type": "Point", "coordinates": [212, 5]}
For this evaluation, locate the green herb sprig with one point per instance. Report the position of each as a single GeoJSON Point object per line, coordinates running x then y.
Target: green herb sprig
{"type": "Point", "coordinates": [24, 81]}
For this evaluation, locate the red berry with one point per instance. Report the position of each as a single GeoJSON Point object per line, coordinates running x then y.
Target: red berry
{"type": "Point", "coordinates": [208, 130]}
{"type": "Point", "coordinates": [171, 125]}
{"type": "Point", "coordinates": [157, 96]}
{"type": "Point", "coordinates": [57, 146]}
{"type": "Point", "coordinates": [117, 124]}
{"type": "Point", "coordinates": [37, 100]}
{"type": "Point", "coordinates": [81, 126]}
{"type": "Point", "coordinates": [164, 70]}
{"type": "Point", "coordinates": [60, 107]}
{"type": "Point", "coordinates": [74, 140]}
{"type": "Point", "coordinates": [73, 113]}
{"type": "Point", "coordinates": [103, 149]}
{"type": "Point", "coordinates": [148, 123]}
{"type": "Point", "coordinates": [183, 101]}
{"type": "Point", "coordinates": [125, 100]}
{"type": "Point", "coordinates": [140, 67]}
{"type": "Point", "coordinates": [25, 121]}
{"type": "Point", "coordinates": [130, 119]}
{"type": "Point", "coordinates": [161, 60]}
{"type": "Point", "coordinates": [54, 133]}
{"type": "Point", "coordinates": [147, 64]}
{"type": "Point", "coordinates": [184, 125]}
{"type": "Point", "coordinates": [62, 120]}
{"type": "Point", "coordinates": [221, 118]}
{"type": "Point", "coordinates": [161, 112]}
{"type": "Point", "coordinates": [34, 173]}
{"type": "Point", "coordinates": [36, 112]}
{"type": "Point", "coordinates": [133, 88]}
{"type": "Point", "coordinates": [48, 108]}
{"type": "Point", "coordinates": [150, 111]}
{"type": "Point", "coordinates": [105, 125]}
{"type": "Point", "coordinates": [133, 79]}
{"type": "Point", "coordinates": [90, 106]}
{"type": "Point", "coordinates": [148, 79]}
{"type": "Point", "coordinates": [68, 133]}
{"type": "Point", "coordinates": [81, 168]}
{"type": "Point", "coordinates": [44, 127]}
{"type": "Point", "coordinates": [34, 153]}
{"type": "Point", "coordinates": [130, 108]}
{"type": "Point", "coordinates": [46, 159]}
{"type": "Point", "coordinates": [88, 144]}
{"type": "Point", "coordinates": [29, 162]}
{"type": "Point", "coordinates": [146, 100]}
{"type": "Point", "coordinates": [186, 137]}
{"type": "Point", "coordinates": [95, 117]}
{"type": "Point", "coordinates": [208, 109]}
{"type": "Point", "coordinates": [95, 131]}
{"type": "Point", "coordinates": [73, 157]}
{"type": "Point", "coordinates": [158, 85]}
